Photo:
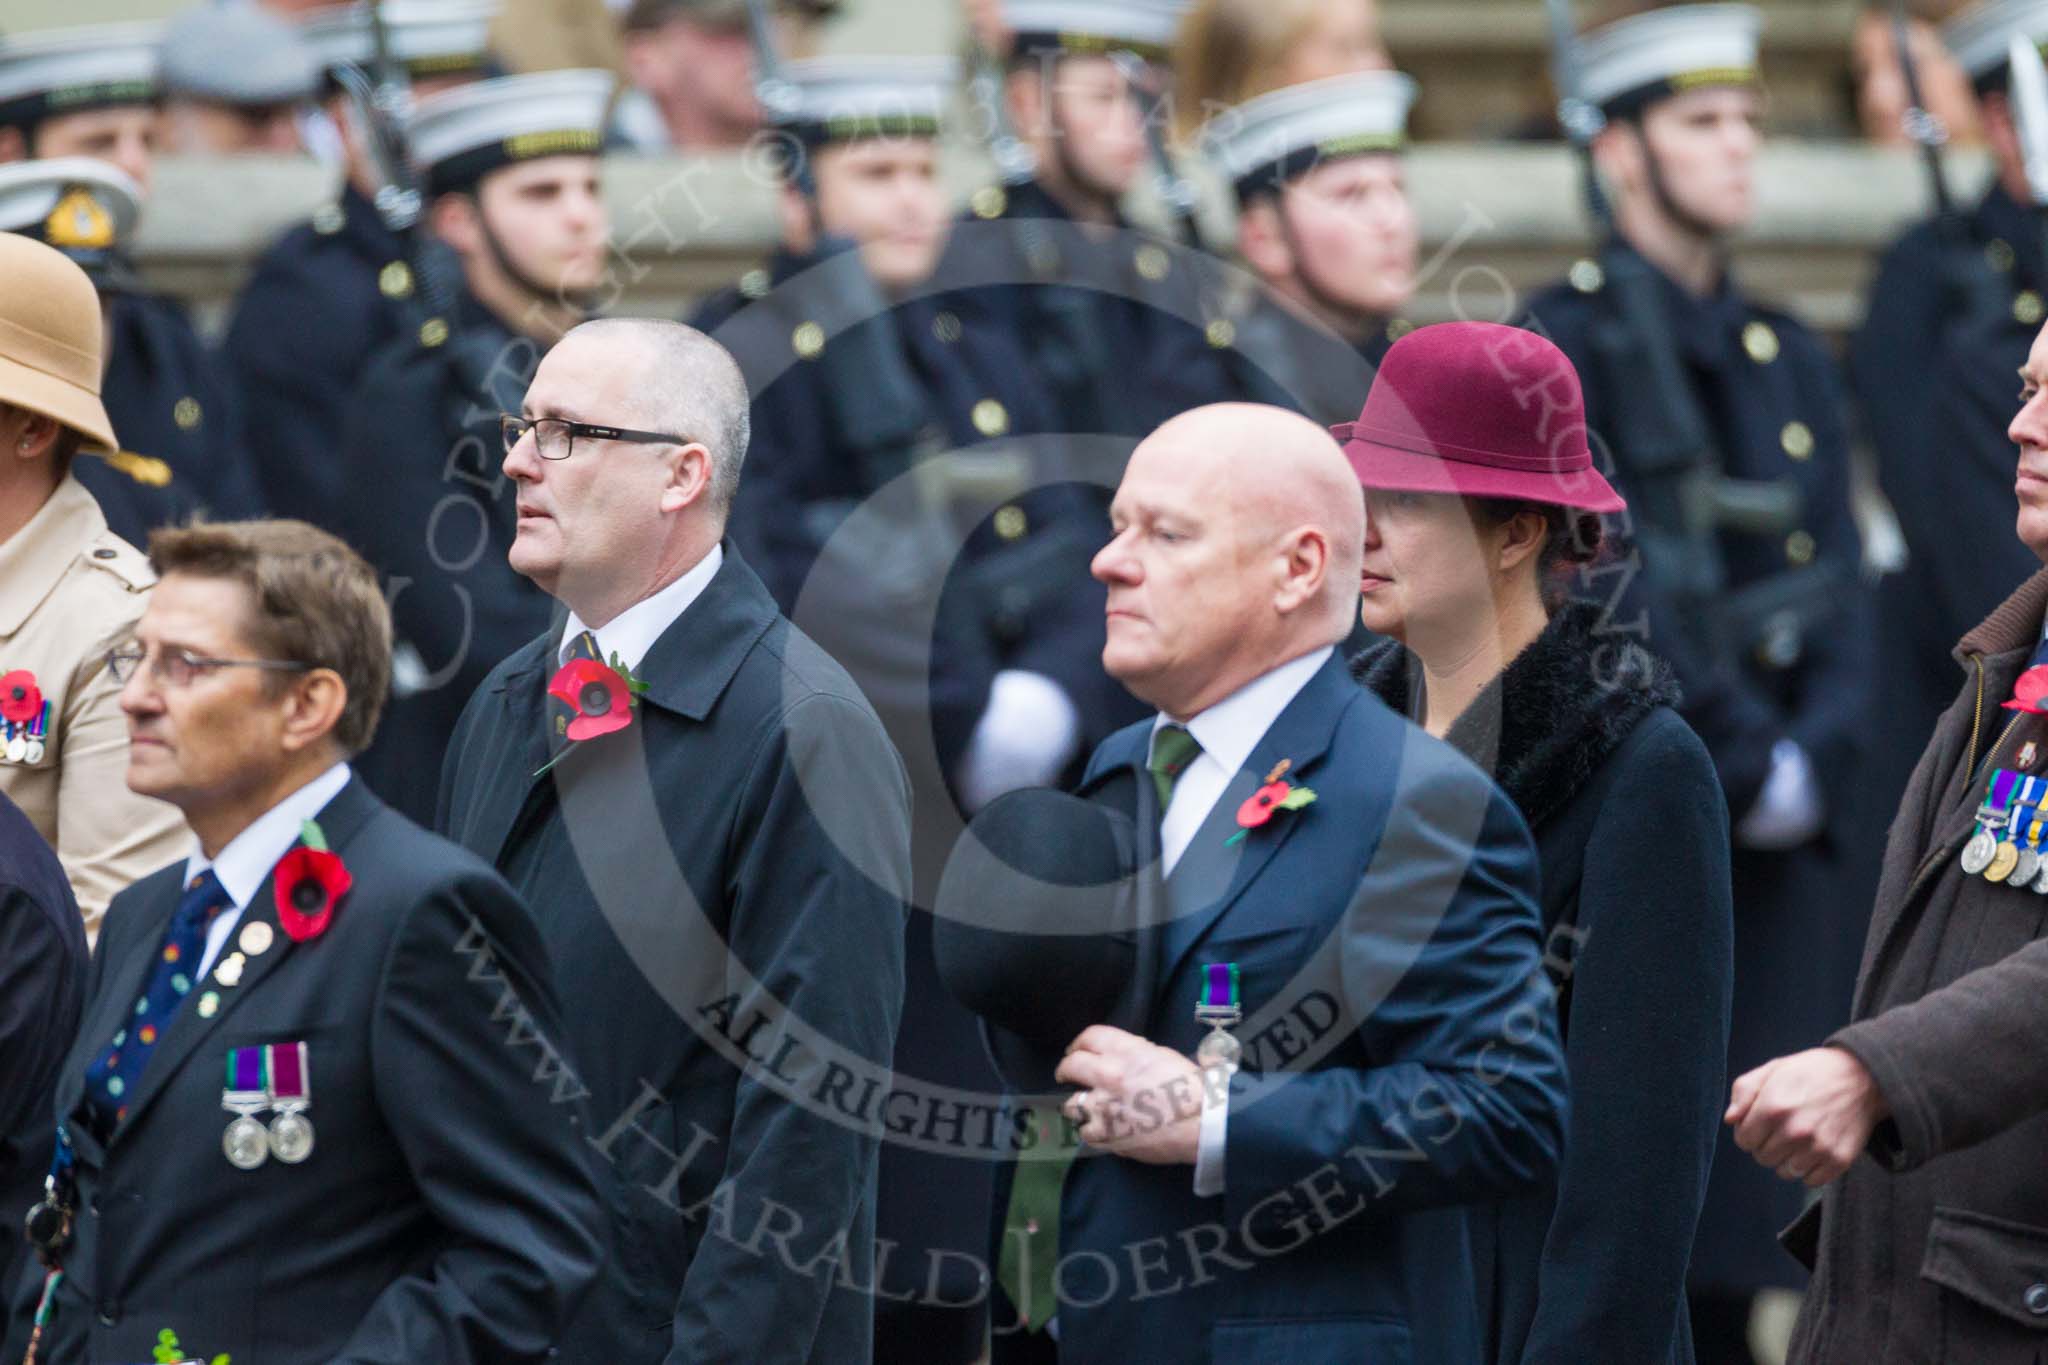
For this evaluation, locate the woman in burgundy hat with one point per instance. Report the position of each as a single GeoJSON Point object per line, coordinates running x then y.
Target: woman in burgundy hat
{"type": "Point", "coordinates": [1483, 509]}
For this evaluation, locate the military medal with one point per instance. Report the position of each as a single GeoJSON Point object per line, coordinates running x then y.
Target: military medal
{"type": "Point", "coordinates": [38, 729]}
{"type": "Point", "coordinates": [17, 744]}
{"type": "Point", "coordinates": [2003, 860]}
{"type": "Point", "coordinates": [1982, 850]}
{"type": "Point", "coordinates": [2025, 829]}
{"type": "Point", "coordinates": [246, 1141]}
{"type": "Point", "coordinates": [1218, 1007]}
{"type": "Point", "coordinates": [290, 1094]}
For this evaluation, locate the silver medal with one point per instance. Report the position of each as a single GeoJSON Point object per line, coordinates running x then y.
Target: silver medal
{"type": "Point", "coordinates": [291, 1137]}
{"type": "Point", "coordinates": [1219, 1049]}
{"type": "Point", "coordinates": [2026, 868]}
{"type": "Point", "coordinates": [17, 748]}
{"type": "Point", "coordinates": [34, 752]}
{"type": "Point", "coordinates": [1978, 853]}
{"type": "Point", "coordinates": [2040, 884]}
{"type": "Point", "coordinates": [247, 1143]}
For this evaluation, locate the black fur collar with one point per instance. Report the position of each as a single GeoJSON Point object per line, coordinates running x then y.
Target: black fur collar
{"type": "Point", "coordinates": [1551, 719]}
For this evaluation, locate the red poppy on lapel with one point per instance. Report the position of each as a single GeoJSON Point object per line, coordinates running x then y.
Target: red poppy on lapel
{"type": "Point", "coordinates": [2027, 693]}
{"type": "Point", "coordinates": [20, 698]}
{"type": "Point", "coordinates": [309, 882]}
{"type": "Point", "coordinates": [1275, 795]}
{"type": "Point", "coordinates": [603, 700]}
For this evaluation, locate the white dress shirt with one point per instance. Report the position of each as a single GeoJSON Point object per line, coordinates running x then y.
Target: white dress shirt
{"type": "Point", "coordinates": [1227, 732]}
{"type": "Point", "coordinates": [633, 631]}
{"type": "Point", "coordinates": [250, 855]}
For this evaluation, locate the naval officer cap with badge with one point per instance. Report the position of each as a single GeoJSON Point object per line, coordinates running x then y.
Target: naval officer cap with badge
{"type": "Point", "coordinates": [334, 289]}
{"type": "Point", "coordinates": [1325, 223]}
{"type": "Point", "coordinates": [511, 176]}
{"type": "Point", "coordinates": [70, 589]}
{"type": "Point", "coordinates": [94, 92]}
{"type": "Point", "coordinates": [292, 1126]}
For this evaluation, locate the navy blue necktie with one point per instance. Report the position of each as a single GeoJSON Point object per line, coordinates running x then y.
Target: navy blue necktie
{"type": "Point", "coordinates": [111, 1079]}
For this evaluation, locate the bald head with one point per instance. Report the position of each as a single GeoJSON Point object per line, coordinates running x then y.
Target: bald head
{"type": "Point", "coordinates": [1240, 530]}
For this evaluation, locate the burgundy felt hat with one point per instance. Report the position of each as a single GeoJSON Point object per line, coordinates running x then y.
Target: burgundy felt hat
{"type": "Point", "coordinates": [1478, 409]}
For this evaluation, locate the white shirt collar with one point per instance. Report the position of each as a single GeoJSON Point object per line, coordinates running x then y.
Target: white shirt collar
{"type": "Point", "coordinates": [250, 855]}
{"type": "Point", "coordinates": [633, 631]}
{"type": "Point", "coordinates": [1233, 727]}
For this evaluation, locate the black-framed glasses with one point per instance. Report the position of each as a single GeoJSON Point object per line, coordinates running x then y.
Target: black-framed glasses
{"type": "Point", "coordinates": [179, 667]}
{"type": "Point", "coordinates": [555, 437]}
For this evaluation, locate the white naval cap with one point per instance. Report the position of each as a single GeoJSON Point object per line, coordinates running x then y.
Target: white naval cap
{"type": "Point", "coordinates": [59, 71]}
{"type": "Point", "coordinates": [1265, 142]}
{"type": "Point", "coordinates": [1981, 36]}
{"type": "Point", "coordinates": [1638, 60]}
{"type": "Point", "coordinates": [236, 53]}
{"type": "Point", "coordinates": [427, 37]}
{"type": "Point", "coordinates": [1144, 27]}
{"type": "Point", "coordinates": [460, 135]}
{"type": "Point", "coordinates": [840, 99]}
{"type": "Point", "coordinates": [80, 205]}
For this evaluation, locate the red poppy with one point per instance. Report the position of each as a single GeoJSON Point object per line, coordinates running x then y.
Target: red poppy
{"type": "Point", "coordinates": [308, 884]}
{"type": "Point", "coordinates": [603, 700]}
{"type": "Point", "coordinates": [1260, 805]}
{"type": "Point", "coordinates": [21, 701]}
{"type": "Point", "coordinates": [2027, 693]}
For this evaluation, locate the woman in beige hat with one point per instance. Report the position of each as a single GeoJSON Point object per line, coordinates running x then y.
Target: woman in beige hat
{"type": "Point", "coordinates": [69, 590]}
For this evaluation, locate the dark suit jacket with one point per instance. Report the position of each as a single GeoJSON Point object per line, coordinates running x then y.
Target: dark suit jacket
{"type": "Point", "coordinates": [1401, 1059]}
{"type": "Point", "coordinates": [447, 1212]}
{"type": "Point", "coordinates": [42, 990]}
{"type": "Point", "coordinates": [722, 891]}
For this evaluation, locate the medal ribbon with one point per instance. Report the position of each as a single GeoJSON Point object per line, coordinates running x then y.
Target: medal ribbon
{"type": "Point", "coordinates": [1219, 988]}
{"type": "Point", "coordinates": [248, 1071]}
{"type": "Point", "coordinates": [287, 1072]}
{"type": "Point", "coordinates": [2003, 780]}
{"type": "Point", "coordinates": [40, 726]}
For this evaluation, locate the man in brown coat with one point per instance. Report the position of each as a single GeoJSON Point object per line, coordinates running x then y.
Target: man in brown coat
{"type": "Point", "coordinates": [1936, 1249]}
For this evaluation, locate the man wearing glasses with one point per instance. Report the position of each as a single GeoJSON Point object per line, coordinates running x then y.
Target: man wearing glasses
{"type": "Point", "coordinates": [713, 830]}
{"type": "Point", "coordinates": [301, 1119]}
{"type": "Point", "coordinates": [511, 174]}
{"type": "Point", "coordinates": [69, 589]}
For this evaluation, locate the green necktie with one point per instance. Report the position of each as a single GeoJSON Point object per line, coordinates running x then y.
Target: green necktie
{"type": "Point", "coordinates": [1031, 1224]}
{"type": "Point", "coordinates": [1173, 748]}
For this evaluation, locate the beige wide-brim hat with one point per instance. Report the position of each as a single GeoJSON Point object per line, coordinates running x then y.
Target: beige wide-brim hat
{"type": "Point", "coordinates": [51, 338]}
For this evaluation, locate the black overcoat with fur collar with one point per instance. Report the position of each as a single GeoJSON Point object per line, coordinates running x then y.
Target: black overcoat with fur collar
{"type": "Point", "coordinates": [1633, 834]}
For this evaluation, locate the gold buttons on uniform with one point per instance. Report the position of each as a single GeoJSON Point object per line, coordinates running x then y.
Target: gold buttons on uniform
{"type": "Point", "coordinates": [991, 418]}
{"type": "Point", "coordinates": [2027, 308]}
{"type": "Point", "coordinates": [1153, 262]}
{"type": "Point", "coordinates": [1799, 548]}
{"type": "Point", "coordinates": [186, 413]}
{"type": "Point", "coordinates": [1011, 523]}
{"type": "Point", "coordinates": [946, 327]}
{"type": "Point", "coordinates": [1586, 276]}
{"type": "Point", "coordinates": [754, 284]}
{"type": "Point", "coordinates": [394, 281]}
{"type": "Point", "coordinates": [1797, 438]}
{"type": "Point", "coordinates": [1222, 333]}
{"type": "Point", "coordinates": [989, 202]}
{"type": "Point", "coordinates": [1761, 342]}
{"type": "Point", "coordinates": [433, 332]}
{"type": "Point", "coordinates": [1999, 253]}
{"type": "Point", "coordinates": [808, 340]}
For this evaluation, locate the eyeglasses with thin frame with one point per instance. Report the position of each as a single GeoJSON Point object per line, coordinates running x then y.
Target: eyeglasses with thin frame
{"type": "Point", "coordinates": [555, 437]}
{"type": "Point", "coordinates": [180, 667]}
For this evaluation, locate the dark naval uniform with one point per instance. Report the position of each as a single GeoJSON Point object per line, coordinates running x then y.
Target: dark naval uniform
{"type": "Point", "coordinates": [1274, 355]}
{"type": "Point", "coordinates": [1112, 323]}
{"type": "Point", "coordinates": [428, 504]}
{"type": "Point", "coordinates": [321, 302]}
{"type": "Point", "coordinates": [1799, 670]}
{"type": "Point", "coordinates": [1018, 596]}
{"type": "Point", "coordinates": [1932, 369]}
{"type": "Point", "coordinates": [179, 421]}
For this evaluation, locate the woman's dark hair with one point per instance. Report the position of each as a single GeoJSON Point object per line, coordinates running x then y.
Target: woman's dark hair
{"type": "Point", "coordinates": [1572, 539]}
